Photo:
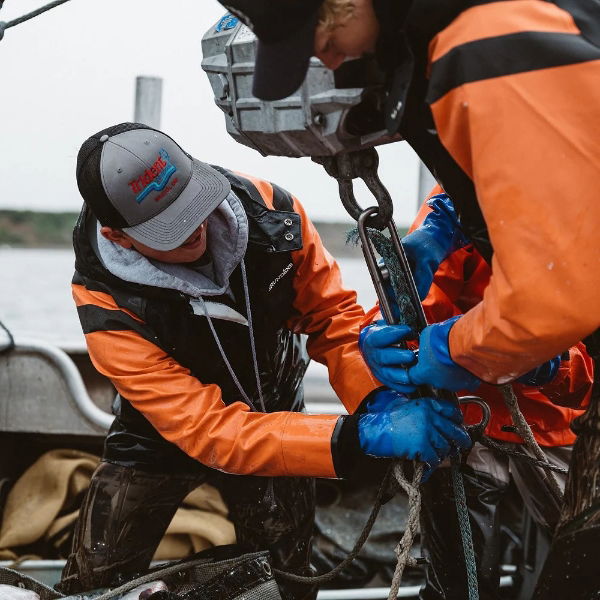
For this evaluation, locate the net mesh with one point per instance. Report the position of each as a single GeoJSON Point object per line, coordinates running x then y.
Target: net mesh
{"type": "Point", "coordinates": [18, 580]}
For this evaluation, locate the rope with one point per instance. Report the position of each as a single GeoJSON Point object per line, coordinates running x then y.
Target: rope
{"type": "Point", "coordinates": [408, 316]}
{"type": "Point", "coordinates": [523, 429]}
{"type": "Point", "coordinates": [224, 357]}
{"type": "Point", "coordinates": [251, 333]}
{"type": "Point", "coordinates": [28, 16]}
{"type": "Point", "coordinates": [360, 542]}
{"type": "Point", "coordinates": [499, 447]}
{"type": "Point", "coordinates": [464, 525]}
{"type": "Point", "coordinates": [402, 550]}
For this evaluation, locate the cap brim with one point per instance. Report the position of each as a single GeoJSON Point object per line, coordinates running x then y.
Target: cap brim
{"type": "Point", "coordinates": [281, 66]}
{"type": "Point", "coordinates": [206, 189]}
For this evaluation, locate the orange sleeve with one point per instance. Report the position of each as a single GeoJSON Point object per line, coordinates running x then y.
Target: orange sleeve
{"type": "Point", "coordinates": [529, 142]}
{"type": "Point", "coordinates": [326, 311]}
{"type": "Point", "coordinates": [329, 314]}
{"type": "Point", "coordinates": [194, 417]}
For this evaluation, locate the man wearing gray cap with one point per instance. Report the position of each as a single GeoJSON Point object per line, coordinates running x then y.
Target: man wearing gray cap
{"type": "Point", "coordinates": [193, 285]}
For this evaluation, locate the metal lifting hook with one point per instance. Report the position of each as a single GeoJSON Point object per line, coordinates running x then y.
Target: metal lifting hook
{"type": "Point", "coordinates": [363, 164]}
{"type": "Point", "coordinates": [379, 274]}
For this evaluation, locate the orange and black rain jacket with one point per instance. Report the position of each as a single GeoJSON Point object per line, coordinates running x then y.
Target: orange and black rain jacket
{"type": "Point", "coordinates": [458, 286]}
{"type": "Point", "coordinates": [176, 397]}
{"type": "Point", "coordinates": [503, 105]}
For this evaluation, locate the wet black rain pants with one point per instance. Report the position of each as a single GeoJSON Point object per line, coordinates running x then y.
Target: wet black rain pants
{"type": "Point", "coordinates": [486, 478]}
{"type": "Point", "coordinates": [127, 510]}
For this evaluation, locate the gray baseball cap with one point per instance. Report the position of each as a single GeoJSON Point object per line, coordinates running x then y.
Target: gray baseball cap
{"type": "Point", "coordinates": [139, 180]}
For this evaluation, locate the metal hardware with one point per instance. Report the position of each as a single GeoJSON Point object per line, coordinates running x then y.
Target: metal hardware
{"type": "Point", "coordinates": [477, 430]}
{"type": "Point", "coordinates": [361, 164]}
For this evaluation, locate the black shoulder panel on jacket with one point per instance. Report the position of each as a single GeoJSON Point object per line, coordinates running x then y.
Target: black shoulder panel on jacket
{"type": "Point", "coordinates": [282, 199]}
{"type": "Point", "coordinates": [506, 55]}
{"type": "Point", "coordinates": [124, 298]}
{"type": "Point", "coordinates": [241, 185]}
{"type": "Point", "coordinates": [95, 318]}
{"type": "Point", "coordinates": [586, 14]}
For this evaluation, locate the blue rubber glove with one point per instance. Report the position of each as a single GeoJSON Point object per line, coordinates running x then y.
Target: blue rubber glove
{"type": "Point", "coordinates": [543, 374]}
{"type": "Point", "coordinates": [414, 429]}
{"type": "Point", "coordinates": [385, 399]}
{"type": "Point", "coordinates": [404, 370]}
{"type": "Point", "coordinates": [433, 241]}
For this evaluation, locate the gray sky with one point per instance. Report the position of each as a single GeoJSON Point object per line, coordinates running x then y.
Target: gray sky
{"type": "Point", "coordinates": [70, 72]}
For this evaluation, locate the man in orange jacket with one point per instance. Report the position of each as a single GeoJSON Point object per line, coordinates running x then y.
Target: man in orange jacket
{"type": "Point", "coordinates": [501, 101]}
{"type": "Point", "coordinates": [449, 289]}
{"type": "Point", "coordinates": [503, 136]}
{"type": "Point", "coordinates": [193, 286]}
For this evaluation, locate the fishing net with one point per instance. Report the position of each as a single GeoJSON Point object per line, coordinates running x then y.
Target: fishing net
{"type": "Point", "coordinates": [202, 577]}
{"type": "Point", "coordinates": [18, 580]}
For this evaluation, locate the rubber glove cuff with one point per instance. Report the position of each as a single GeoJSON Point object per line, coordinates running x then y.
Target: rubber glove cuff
{"type": "Point", "coordinates": [435, 365]}
{"type": "Point", "coordinates": [433, 241]}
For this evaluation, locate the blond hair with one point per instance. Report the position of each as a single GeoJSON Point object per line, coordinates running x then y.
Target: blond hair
{"type": "Point", "coordinates": [334, 13]}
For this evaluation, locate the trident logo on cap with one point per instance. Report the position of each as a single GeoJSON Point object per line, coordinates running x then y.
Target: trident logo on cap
{"type": "Point", "coordinates": [155, 178]}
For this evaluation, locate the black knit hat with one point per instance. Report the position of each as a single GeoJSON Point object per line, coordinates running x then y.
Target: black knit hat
{"type": "Point", "coordinates": [286, 32]}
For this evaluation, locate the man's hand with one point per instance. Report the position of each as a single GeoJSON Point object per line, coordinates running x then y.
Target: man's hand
{"type": "Point", "coordinates": [433, 241]}
{"type": "Point", "coordinates": [422, 429]}
{"type": "Point", "coordinates": [403, 370]}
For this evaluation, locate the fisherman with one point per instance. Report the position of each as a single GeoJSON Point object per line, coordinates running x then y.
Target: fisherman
{"type": "Point", "coordinates": [501, 101]}
{"type": "Point", "coordinates": [509, 130]}
{"type": "Point", "coordinates": [193, 285]}
{"type": "Point", "coordinates": [451, 277]}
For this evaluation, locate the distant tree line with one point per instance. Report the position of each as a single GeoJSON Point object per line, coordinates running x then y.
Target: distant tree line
{"type": "Point", "coordinates": [33, 229]}
{"type": "Point", "coordinates": [28, 228]}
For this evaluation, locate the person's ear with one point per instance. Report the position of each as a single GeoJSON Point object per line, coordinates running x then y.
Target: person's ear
{"type": "Point", "coordinates": [116, 236]}
{"type": "Point", "coordinates": [325, 50]}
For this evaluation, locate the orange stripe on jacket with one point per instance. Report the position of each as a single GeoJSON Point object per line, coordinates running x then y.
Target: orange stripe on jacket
{"type": "Point", "coordinates": [193, 416]}
{"type": "Point", "coordinates": [83, 296]}
{"type": "Point", "coordinates": [264, 188]}
{"type": "Point", "coordinates": [495, 19]}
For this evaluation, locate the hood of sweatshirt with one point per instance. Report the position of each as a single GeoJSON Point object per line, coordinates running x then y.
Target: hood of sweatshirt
{"type": "Point", "coordinates": [227, 240]}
